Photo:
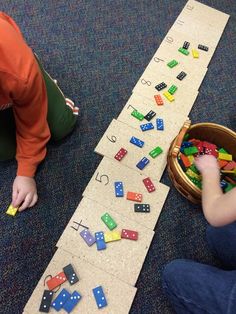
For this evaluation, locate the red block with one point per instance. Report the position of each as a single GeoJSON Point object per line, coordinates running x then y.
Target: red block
{"type": "Point", "coordinates": [159, 100]}
{"type": "Point", "coordinates": [121, 154]}
{"type": "Point", "coordinates": [129, 234]}
{"type": "Point", "coordinates": [149, 185]}
{"type": "Point", "coordinates": [132, 196]}
{"type": "Point", "coordinates": [56, 281]}
{"type": "Point", "coordinates": [230, 166]}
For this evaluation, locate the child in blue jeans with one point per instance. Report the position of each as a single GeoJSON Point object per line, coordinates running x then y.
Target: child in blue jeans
{"type": "Point", "coordinates": [198, 288]}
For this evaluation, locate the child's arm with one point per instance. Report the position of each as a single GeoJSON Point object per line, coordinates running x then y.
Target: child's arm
{"type": "Point", "coordinates": [219, 209]}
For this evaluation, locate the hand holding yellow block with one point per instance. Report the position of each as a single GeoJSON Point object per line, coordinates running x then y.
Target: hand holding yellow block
{"type": "Point", "coordinates": [11, 210]}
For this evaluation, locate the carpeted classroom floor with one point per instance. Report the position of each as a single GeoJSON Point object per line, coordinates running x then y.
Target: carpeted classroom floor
{"type": "Point", "coordinates": [97, 50]}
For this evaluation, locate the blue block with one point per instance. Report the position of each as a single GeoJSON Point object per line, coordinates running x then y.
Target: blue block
{"type": "Point", "coordinates": [119, 190]}
{"type": "Point", "coordinates": [142, 163]}
{"type": "Point", "coordinates": [223, 184]}
{"type": "Point", "coordinates": [160, 124]}
{"type": "Point", "coordinates": [72, 302]}
{"type": "Point", "coordinates": [100, 242]}
{"type": "Point", "coordinates": [99, 297]}
{"type": "Point", "coordinates": [186, 144]}
{"type": "Point", "coordinates": [136, 141]}
{"type": "Point", "coordinates": [147, 126]}
{"type": "Point", "coordinates": [60, 300]}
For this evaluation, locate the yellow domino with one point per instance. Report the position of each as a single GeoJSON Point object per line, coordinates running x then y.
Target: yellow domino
{"type": "Point", "coordinates": [11, 210]}
{"type": "Point", "coordinates": [195, 53]}
{"type": "Point", "coordinates": [224, 156]}
{"type": "Point", "coordinates": [111, 236]}
{"type": "Point", "coordinates": [193, 174]}
{"type": "Point", "coordinates": [169, 96]}
{"type": "Point", "coordinates": [191, 158]}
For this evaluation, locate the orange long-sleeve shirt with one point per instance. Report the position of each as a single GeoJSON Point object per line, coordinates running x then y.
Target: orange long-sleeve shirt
{"type": "Point", "coordinates": [22, 87]}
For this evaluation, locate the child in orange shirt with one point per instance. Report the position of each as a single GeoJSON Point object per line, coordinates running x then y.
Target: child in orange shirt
{"type": "Point", "coordinates": [32, 110]}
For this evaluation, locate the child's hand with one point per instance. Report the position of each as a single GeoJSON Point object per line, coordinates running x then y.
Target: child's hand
{"type": "Point", "coordinates": [24, 192]}
{"type": "Point", "coordinates": [207, 164]}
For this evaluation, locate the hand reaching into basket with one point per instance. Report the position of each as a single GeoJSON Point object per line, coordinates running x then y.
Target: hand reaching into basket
{"type": "Point", "coordinates": [219, 209]}
{"type": "Point", "coordinates": [207, 164]}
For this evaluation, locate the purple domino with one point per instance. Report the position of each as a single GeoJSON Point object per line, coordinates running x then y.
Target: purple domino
{"type": "Point", "coordinates": [88, 237]}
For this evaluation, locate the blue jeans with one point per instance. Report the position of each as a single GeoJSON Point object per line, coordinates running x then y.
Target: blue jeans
{"type": "Point", "coordinates": [198, 288]}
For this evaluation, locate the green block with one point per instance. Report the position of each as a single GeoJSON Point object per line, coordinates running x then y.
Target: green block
{"type": "Point", "coordinates": [183, 51]}
{"type": "Point", "coordinates": [172, 89]}
{"type": "Point", "coordinates": [155, 152]}
{"type": "Point", "coordinates": [222, 150]}
{"type": "Point", "coordinates": [195, 182]}
{"type": "Point", "coordinates": [194, 169]}
{"type": "Point", "coordinates": [229, 187]}
{"type": "Point", "coordinates": [186, 136]}
{"type": "Point", "coordinates": [137, 115]}
{"type": "Point", "coordinates": [190, 150]}
{"type": "Point", "coordinates": [109, 222]}
{"type": "Point", "coordinates": [172, 64]}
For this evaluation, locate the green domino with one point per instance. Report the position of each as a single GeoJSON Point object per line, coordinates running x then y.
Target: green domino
{"type": "Point", "coordinates": [222, 150]}
{"type": "Point", "coordinates": [172, 89]}
{"type": "Point", "coordinates": [172, 64]}
{"type": "Point", "coordinates": [109, 222]}
{"type": "Point", "coordinates": [183, 51]}
{"type": "Point", "coordinates": [186, 136]}
{"type": "Point", "coordinates": [137, 115]}
{"type": "Point", "coordinates": [190, 150]}
{"type": "Point", "coordinates": [155, 152]}
{"type": "Point", "coordinates": [194, 169]}
{"type": "Point", "coordinates": [229, 187]}
{"type": "Point", "coordinates": [195, 182]}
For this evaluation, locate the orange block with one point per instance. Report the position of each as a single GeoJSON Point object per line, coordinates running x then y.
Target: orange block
{"type": "Point", "coordinates": [132, 196]}
{"type": "Point", "coordinates": [185, 160]}
{"type": "Point", "coordinates": [159, 100]}
{"type": "Point", "coordinates": [222, 163]}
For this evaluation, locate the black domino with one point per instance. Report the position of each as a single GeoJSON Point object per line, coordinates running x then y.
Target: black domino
{"type": "Point", "coordinates": [181, 76]}
{"type": "Point", "coordinates": [70, 274]}
{"type": "Point", "coordinates": [46, 301]}
{"type": "Point", "coordinates": [142, 208]}
{"type": "Point", "coordinates": [186, 45]}
{"type": "Point", "coordinates": [150, 115]}
{"type": "Point", "coordinates": [160, 86]}
{"type": "Point", "coordinates": [204, 48]}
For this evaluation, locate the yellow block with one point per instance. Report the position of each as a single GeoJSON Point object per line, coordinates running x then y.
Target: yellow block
{"type": "Point", "coordinates": [11, 210]}
{"type": "Point", "coordinates": [111, 236]}
{"type": "Point", "coordinates": [224, 156]}
{"type": "Point", "coordinates": [193, 174]}
{"type": "Point", "coordinates": [195, 53]}
{"type": "Point", "coordinates": [191, 158]}
{"type": "Point", "coordinates": [169, 96]}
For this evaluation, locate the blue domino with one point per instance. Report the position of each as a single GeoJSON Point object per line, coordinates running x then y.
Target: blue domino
{"type": "Point", "coordinates": [60, 300]}
{"type": "Point", "coordinates": [99, 297]}
{"type": "Point", "coordinates": [160, 124]}
{"type": "Point", "coordinates": [72, 302]}
{"type": "Point", "coordinates": [100, 242]}
{"type": "Point", "coordinates": [119, 190]}
{"type": "Point", "coordinates": [142, 163]}
{"type": "Point", "coordinates": [136, 141]}
{"type": "Point", "coordinates": [147, 126]}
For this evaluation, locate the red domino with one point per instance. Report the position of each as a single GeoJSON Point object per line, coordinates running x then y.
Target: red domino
{"type": "Point", "coordinates": [149, 185]}
{"type": "Point", "coordinates": [230, 166]}
{"type": "Point", "coordinates": [159, 100]}
{"type": "Point", "coordinates": [129, 234]}
{"type": "Point", "coordinates": [56, 281]}
{"type": "Point", "coordinates": [121, 154]}
{"type": "Point", "coordinates": [132, 196]}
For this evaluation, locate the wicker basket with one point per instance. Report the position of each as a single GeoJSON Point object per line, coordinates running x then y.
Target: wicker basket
{"type": "Point", "coordinates": [211, 132]}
